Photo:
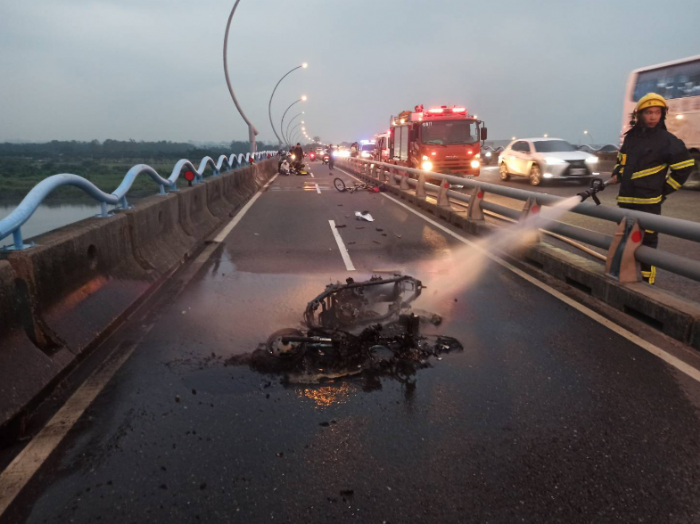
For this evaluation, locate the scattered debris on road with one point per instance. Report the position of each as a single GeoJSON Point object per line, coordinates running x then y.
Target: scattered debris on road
{"type": "Point", "coordinates": [364, 215]}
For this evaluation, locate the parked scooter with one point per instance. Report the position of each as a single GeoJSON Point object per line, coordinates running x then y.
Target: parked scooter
{"type": "Point", "coordinates": [326, 159]}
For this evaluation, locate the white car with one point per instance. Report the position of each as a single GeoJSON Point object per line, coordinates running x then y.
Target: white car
{"type": "Point", "coordinates": [541, 159]}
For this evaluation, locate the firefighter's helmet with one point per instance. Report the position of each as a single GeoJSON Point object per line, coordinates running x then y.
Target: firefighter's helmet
{"type": "Point", "coordinates": [651, 100]}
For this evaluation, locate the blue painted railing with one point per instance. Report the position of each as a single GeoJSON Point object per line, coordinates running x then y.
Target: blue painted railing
{"type": "Point", "coordinates": [12, 224]}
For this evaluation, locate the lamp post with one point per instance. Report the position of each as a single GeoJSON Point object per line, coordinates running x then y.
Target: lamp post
{"type": "Point", "coordinates": [286, 133]}
{"type": "Point", "coordinates": [252, 132]}
{"type": "Point", "coordinates": [302, 99]}
{"type": "Point", "coordinates": [269, 104]}
{"type": "Point", "coordinates": [587, 133]}
{"type": "Point", "coordinates": [289, 135]}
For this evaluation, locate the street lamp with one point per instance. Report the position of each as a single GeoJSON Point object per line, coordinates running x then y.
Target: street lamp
{"type": "Point", "coordinates": [252, 132]}
{"type": "Point", "coordinates": [291, 133]}
{"type": "Point", "coordinates": [269, 104]}
{"type": "Point", "coordinates": [588, 134]}
{"type": "Point", "coordinates": [546, 135]}
{"type": "Point", "coordinates": [302, 99]}
{"type": "Point", "coordinates": [285, 135]}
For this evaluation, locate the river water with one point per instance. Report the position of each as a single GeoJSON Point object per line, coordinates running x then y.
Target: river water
{"type": "Point", "coordinates": [50, 216]}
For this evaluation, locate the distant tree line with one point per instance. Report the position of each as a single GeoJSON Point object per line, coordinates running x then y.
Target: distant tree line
{"type": "Point", "coordinates": [123, 149]}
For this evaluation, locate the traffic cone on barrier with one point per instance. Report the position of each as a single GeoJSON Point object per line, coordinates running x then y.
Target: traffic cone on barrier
{"type": "Point", "coordinates": [442, 199]}
{"type": "Point", "coordinates": [404, 182]}
{"type": "Point", "coordinates": [531, 209]}
{"type": "Point", "coordinates": [420, 188]}
{"type": "Point", "coordinates": [474, 212]}
{"type": "Point", "coordinates": [621, 263]}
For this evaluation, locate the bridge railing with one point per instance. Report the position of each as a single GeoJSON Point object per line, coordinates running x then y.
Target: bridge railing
{"type": "Point", "coordinates": [683, 229]}
{"type": "Point", "coordinates": [12, 224]}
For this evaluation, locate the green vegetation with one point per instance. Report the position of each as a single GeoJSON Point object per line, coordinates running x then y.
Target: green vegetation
{"type": "Point", "coordinates": [22, 166]}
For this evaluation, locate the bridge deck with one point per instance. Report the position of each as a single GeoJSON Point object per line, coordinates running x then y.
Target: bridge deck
{"type": "Point", "coordinates": [547, 415]}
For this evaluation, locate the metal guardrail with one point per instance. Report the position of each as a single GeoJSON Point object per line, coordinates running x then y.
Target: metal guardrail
{"type": "Point", "coordinates": [12, 224]}
{"type": "Point", "coordinates": [675, 227]}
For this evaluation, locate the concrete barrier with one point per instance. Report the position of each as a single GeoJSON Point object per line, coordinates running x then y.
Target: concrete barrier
{"type": "Point", "coordinates": [159, 241]}
{"type": "Point", "coordinates": [233, 190]}
{"type": "Point", "coordinates": [25, 370]}
{"type": "Point", "coordinates": [217, 204]}
{"type": "Point", "coordinates": [81, 279]}
{"type": "Point", "coordinates": [62, 297]}
{"type": "Point", "coordinates": [195, 218]}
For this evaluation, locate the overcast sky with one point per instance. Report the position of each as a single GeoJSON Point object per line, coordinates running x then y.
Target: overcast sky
{"type": "Point", "coordinates": [152, 69]}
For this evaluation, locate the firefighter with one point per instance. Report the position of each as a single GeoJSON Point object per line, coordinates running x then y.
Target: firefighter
{"type": "Point", "coordinates": [652, 164]}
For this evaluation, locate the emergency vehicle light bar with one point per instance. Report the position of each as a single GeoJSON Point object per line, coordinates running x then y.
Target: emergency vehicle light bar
{"type": "Point", "coordinates": [445, 109]}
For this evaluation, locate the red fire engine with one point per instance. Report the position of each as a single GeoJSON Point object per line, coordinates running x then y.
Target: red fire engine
{"type": "Point", "coordinates": [442, 139]}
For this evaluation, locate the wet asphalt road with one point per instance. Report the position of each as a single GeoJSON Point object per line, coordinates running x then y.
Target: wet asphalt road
{"type": "Point", "coordinates": [545, 417]}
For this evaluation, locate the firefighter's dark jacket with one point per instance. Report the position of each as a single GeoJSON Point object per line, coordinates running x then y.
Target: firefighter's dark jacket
{"type": "Point", "coordinates": [651, 164]}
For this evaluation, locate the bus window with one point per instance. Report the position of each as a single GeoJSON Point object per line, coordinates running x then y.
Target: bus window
{"type": "Point", "coordinates": [679, 81]}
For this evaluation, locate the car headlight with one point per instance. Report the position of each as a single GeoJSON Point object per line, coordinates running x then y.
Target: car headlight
{"type": "Point", "coordinates": [427, 165]}
{"type": "Point", "coordinates": [365, 154]}
{"type": "Point", "coordinates": [294, 157]}
{"type": "Point", "coordinates": [554, 161]}
{"type": "Point", "coordinates": [475, 164]}
{"type": "Point", "coordinates": [592, 160]}
{"type": "Point", "coordinates": [488, 154]}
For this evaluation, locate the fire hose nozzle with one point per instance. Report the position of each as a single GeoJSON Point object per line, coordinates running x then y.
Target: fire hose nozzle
{"type": "Point", "coordinates": [597, 185]}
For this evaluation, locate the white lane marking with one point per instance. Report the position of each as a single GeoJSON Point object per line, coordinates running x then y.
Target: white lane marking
{"type": "Point", "coordinates": [648, 346]}
{"type": "Point", "coordinates": [318, 189]}
{"type": "Point", "coordinates": [229, 227]}
{"type": "Point", "coordinates": [20, 471]}
{"type": "Point", "coordinates": [341, 245]}
{"type": "Point", "coordinates": [312, 175]}
{"type": "Point", "coordinates": [32, 457]}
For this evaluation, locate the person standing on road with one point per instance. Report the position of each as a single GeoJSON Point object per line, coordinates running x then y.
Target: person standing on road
{"type": "Point", "coordinates": [331, 157]}
{"type": "Point", "coordinates": [642, 170]}
{"type": "Point", "coordinates": [298, 152]}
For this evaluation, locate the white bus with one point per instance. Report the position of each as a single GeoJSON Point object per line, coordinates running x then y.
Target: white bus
{"type": "Point", "coordinates": [679, 83]}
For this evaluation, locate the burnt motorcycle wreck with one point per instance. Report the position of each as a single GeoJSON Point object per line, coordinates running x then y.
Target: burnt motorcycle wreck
{"type": "Point", "coordinates": [354, 328]}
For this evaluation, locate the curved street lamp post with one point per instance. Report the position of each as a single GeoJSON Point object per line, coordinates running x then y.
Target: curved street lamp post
{"type": "Point", "coordinates": [286, 133]}
{"type": "Point", "coordinates": [269, 104]}
{"type": "Point", "coordinates": [252, 132]}
{"type": "Point", "coordinates": [302, 99]}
